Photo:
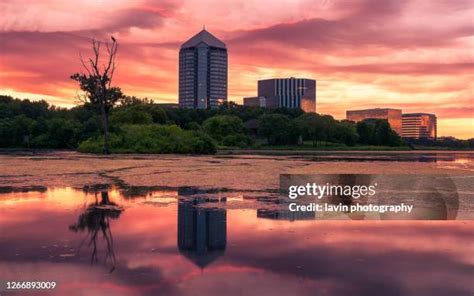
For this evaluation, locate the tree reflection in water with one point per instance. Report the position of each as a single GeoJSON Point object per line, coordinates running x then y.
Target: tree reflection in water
{"type": "Point", "coordinates": [96, 219]}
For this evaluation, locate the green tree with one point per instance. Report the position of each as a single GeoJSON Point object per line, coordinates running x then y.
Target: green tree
{"type": "Point", "coordinates": [385, 136]}
{"type": "Point", "coordinates": [130, 115]}
{"type": "Point", "coordinates": [221, 126]}
{"type": "Point", "coordinates": [330, 128]}
{"type": "Point", "coordinates": [277, 129]}
{"type": "Point", "coordinates": [311, 127]}
{"type": "Point", "coordinates": [470, 143]}
{"type": "Point", "coordinates": [193, 125]}
{"type": "Point", "coordinates": [365, 132]}
{"type": "Point", "coordinates": [346, 133]}
{"type": "Point", "coordinates": [16, 131]}
{"type": "Point", "coordinates": [63, 133]}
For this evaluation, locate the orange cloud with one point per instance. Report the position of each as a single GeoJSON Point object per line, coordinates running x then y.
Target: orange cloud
{"type": "Point", "coordinates": [413, 55]}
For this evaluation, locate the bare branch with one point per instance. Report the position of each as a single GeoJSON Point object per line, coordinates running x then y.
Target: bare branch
{"type": "Point", "coordinates": [84, 65]}
{"type": "Point", "coordinates": [94, 63]}
{"type": "Point", "coordinates": [81, 98]}
{"type": "Point", "coordinates": [111, 75]}
{"type": "Point", "coordinates": [111, 51]}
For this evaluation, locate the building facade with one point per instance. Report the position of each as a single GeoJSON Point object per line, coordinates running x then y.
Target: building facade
{"type": "Point", "coordinates": [419, 126]}
{"type": "Point", "coordinates": [393, 116]}
{"type": "Point", "coordinates": [202, 72]}
{"type": "Point", "coordinates": [286, 92]}
{"type": "Point", "coordinates": [254, 101]}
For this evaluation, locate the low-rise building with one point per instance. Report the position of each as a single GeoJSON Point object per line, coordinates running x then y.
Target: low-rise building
{"type": "Point", "coordinates": [254, 101]}
{"type": "Point", "coordinates": [393, 116]}
{"type": "Point", "coordinates": [285, 93]}
{"type": "Point", "coordinates": [419, 126]}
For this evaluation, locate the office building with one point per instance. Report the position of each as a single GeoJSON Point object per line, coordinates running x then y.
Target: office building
{"type": "Point", "coordinates": [202, 72]}
{"type": "Point", "coordinates": [393, 116]}
{"type": "Point", "coordinates": [254, 101]}
{"type": "Point", "coordinates": [285, 93]}
{"type": "Point", "coordinates": [419, 126]}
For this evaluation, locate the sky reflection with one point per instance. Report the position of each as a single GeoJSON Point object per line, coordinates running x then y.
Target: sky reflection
{"type": "Point", "coordinates": [170, 243]}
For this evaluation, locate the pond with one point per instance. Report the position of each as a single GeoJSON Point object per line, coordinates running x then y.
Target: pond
{"type": "Point", "coordinates": [116, 239]}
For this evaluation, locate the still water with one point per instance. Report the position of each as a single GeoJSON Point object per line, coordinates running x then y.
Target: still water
{"type": "Point", "coordinates": [108, 241]}
{"type": "Point", "coordinates": [128, 240]}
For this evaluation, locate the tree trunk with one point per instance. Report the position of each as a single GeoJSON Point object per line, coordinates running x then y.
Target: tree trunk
{"type": "Point", "coordinates": [105, 198]}
{"type": "Point", "coordinates": [105, 125]}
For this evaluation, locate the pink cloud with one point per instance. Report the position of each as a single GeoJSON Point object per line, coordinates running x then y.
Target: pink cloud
{"type": "Point", "coordinates": [387, 49]}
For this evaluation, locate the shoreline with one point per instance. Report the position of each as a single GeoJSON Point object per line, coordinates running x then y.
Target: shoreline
{"type": "Point", "coordinates": [310, 152]}
{"type": "Point", "coordinates": [282, 152]}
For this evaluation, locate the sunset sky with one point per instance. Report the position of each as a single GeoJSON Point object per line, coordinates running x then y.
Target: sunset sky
{"type": "Point", "coordinates": [413, 55]}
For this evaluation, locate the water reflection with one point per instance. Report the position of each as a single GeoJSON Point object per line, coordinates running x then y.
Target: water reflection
{"type": "Point", "coordinates": [202, 231]}
{"type": "Point", "coordinates": [284, 214]}
{"type": "Point", "coordinates": [282, 211]}
{"type": "Point", "coordinates": [161, 250]}
{"type": "Point", "coordinates": [96, 220]}
{"type": "Point", "coordinates": [437, 158]}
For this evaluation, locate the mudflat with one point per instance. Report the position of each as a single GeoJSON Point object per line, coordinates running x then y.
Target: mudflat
{"type": "Point", "coordinates": [234, 172]}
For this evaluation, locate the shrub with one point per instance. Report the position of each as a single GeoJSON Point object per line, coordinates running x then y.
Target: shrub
{"type": "Point", "coordinates": [152, 138]}
{"type": "Point", "coordinates": [238, 140]}
{"type": "Point", "coordinates": [221, 126]}
{"type": "Point", "coordinates": [227, 130]}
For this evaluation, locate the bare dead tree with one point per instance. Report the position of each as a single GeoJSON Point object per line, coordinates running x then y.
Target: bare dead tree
{"type": "Point", "coordinates": [96, 83]}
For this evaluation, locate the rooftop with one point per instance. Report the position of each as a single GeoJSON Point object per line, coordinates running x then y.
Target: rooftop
{"type": "Point", "coordinates": [417, 114]}
{"type": "Point", "coordinates": [374, 109]}
{"type": "Point", "coordinates": [286, 78]}
{"type": "Point", "coordinates": [203, 37]}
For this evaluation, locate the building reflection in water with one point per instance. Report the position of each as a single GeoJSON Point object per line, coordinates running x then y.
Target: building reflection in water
{"type": "Point", "coordinates": [202, 231]}
{"type": "Point", "coordinates": [283, 213]}
{"type": "Point", "coordinates": [96, 220]}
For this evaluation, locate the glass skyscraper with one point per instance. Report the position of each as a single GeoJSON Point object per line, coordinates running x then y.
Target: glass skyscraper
{"type": "Point", "coordinates": [202, 72]}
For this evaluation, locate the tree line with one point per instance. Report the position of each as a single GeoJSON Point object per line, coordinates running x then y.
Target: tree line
{"type": "Point", "coordinates": [142, 126]}
{"type": "Point", "coordinates": [139, 125]}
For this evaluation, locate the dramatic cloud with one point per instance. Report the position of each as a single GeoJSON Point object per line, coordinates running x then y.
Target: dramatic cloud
{"type": "Point", "coordinates": [375, 23]}
{"type": "Point", "coordinates": [415, 55]}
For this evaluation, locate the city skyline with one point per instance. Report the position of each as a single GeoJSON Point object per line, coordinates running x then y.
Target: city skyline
{"type": "Point", "coordinates": [415, 56]}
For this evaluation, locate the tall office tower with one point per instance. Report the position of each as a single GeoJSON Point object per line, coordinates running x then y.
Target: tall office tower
{"type": "Point", "coordinates": [289, 93]}
{"type": "Point", "coordinates": [202, 72]}
{"type": "Point", "coordinates": [393, 116]}
{"type": "Point", "coordinates": [419, 126]}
